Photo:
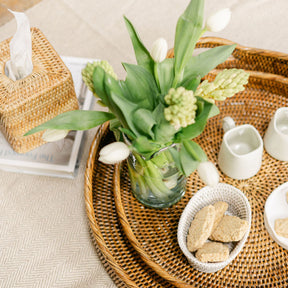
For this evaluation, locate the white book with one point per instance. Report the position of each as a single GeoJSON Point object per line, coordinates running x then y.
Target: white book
{"type": "Point", "coordinates": [61, 158]}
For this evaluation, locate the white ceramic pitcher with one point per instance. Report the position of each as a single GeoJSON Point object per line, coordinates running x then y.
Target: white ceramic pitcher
{"type": "Point", "coordinates": [276, 136]}
{"type": "Point", "coordinates": [240, 155]}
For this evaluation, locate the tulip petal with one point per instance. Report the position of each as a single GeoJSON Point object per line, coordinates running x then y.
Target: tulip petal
{"type": "Point", "coordinates": [159, 50]}
{"type": "Point", "coordinates": [114, 153]}
{"type": "Point", "coordinates": [208, 173]}
{"type": "Point", "coordinates": [219, 20]}
{"type": "Point", "coordinates": [52, 135]}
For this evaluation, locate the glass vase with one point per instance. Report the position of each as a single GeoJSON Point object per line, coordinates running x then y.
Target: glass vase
{"type": "Point", "coordinates": [156, 183]}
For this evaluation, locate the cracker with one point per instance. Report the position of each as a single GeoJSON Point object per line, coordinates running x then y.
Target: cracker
{"type": "Point", "coordinates": [220, 209]}
{"type": "Point", "coordinates": [200, 228]}
{"type": "Point", "coordinates": [230, 228]}
{"type": "Point", "coordinates": [212, 252]}
{"type": "Point", "coordinates": [281, 227]}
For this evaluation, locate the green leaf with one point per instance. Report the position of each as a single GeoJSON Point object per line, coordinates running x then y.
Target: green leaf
{"type": "Point", "coordinates": [142, 86]}
{"type": "Point", "coordinates": [158, 113]}
{"type": "Point", "coordinates": [188, 31]}
{"type": "Point", "coordinates": [191, 155]}
{"type": "Point", "coordinates": [144, 121]}
{"type": "Point", "coordinates": [145, 147]}
{"type": "Point", "coordinates": [203, 63]}
{"type": "Point", "coordinates": [112, 86]}
{"type": "Point", "coordinates": [74, 120]}
{"type": "Point", "coordinates": [143, 56]}
{"type": "Point", "coordinates": [194, 150]}
{"type": "Point", "coordinates": [165, 71]}
{"type": "Point", "coordinates": [164, 132]}
{"type": "Point", "coordinates": [188, 165]}
{"type": "Point", "coordinates": [214, 111]}
{"type": "Point", "coordinates": [127, 109]}
{"type": "Point", "coordinates": [98, 83]}
{"type": "Point", "coordinates": [104, 83]}
{"type": "Point", "coordinates": [197, 128]}
{"type": "Point", "coordinates": [128, 133]}
{"type": "Point", "coordinates": [121, 106]}
{"type": "Point", "coordinates": [114, 126]}
{"type": "Point", "coordinates": [176, 157]}
{"type": "Point", "coordinates": [191, 84]}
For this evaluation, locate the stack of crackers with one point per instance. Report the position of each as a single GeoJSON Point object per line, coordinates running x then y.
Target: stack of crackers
{"type": "Point", "coordinates": [210, 229]}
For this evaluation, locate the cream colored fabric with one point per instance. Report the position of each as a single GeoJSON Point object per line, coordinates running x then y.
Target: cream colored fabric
{"type": "Point", "coordinates": [44, 236]}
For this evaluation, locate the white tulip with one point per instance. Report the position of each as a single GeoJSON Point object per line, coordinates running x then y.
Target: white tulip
{"type": "Point", "coordinates": [219, 20]}
{"type": "Point", "coordinates": [159, 50]}
{"type": "Point", "coordinates": [114, 153]}
{"type": "Point", "coordinates": [208, 173]}
{"type": "Point", "coordinates": [52, 135]}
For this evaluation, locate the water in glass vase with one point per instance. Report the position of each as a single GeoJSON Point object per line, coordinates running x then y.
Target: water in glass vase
{"type": "Point", "coordinates": [156, 183]}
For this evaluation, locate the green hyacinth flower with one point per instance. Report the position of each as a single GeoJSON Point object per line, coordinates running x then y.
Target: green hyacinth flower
{"type": "Point", "coordinates": [181, 111]}
{"type": "Point", "coordinates": [87, 72]}
{"type": "Point", "coordinates": [226, 84]}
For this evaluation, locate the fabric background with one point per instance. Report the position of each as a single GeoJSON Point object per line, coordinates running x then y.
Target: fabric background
{"type": "Point", "coordinates": [44, 235]}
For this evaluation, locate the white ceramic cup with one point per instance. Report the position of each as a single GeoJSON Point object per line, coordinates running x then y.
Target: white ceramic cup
{"type": "Point", "coordinates": [276, 136]}
{"type": "Point", "coordinates": [240, 155]}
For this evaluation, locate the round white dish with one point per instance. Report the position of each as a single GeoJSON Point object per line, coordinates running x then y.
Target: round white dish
{"type": "Point", "coordinates": [276, 207]}
{"type": "Point", "coordinates": [238, 206]}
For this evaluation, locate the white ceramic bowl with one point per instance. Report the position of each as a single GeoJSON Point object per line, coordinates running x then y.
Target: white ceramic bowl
{"type": "Point", "coordinates": [238, 206]}
{"type": "Point", "coordinates": [276, 207]}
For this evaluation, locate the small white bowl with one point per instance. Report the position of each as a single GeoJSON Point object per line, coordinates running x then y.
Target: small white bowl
{"type": "Point", "coordinates": [238, 206]}
{"type": "Point", "coordinates": [276, 207]}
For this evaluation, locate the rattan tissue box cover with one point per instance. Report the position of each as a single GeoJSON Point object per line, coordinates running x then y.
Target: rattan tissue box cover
{"type": "Point", "coordinates": [37, 98]}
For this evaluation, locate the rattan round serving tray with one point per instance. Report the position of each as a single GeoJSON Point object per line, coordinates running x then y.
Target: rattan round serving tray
{"type": "Point", "coordinates": [153, 233]}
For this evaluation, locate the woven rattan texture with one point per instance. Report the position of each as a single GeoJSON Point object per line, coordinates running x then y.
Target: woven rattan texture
{"type": "Point", "coordinates": [37, 98]}
{"type": "Point", "coordinates": [261, 263]}
{"type": "Point", "coordinates": [121, 261]}
{"type": "Point", "coordinates": [153, 233]}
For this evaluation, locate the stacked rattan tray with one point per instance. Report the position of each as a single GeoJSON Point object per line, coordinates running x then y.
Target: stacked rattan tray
{"type": "Point", "coordinates": [138, 245]}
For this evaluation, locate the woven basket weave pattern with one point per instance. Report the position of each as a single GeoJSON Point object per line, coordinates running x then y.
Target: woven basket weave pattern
{"type": "Point", "coordinates": [153, 233]}
{"type": "Point", "coordinates": [39, 97]}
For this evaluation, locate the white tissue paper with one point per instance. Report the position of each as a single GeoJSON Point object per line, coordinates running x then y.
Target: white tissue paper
{"type": "Point", "coordinates": [20, 64]}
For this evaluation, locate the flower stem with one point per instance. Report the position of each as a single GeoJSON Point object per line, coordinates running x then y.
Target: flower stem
{"type": "Point", "coordinates": [137, 179]}
{"type": "Point", "coordinates": [178, 78]}
{"type": "Point", "coordinates": [152, 177]}
{"type": "Point", "coordinates": [156, 75]}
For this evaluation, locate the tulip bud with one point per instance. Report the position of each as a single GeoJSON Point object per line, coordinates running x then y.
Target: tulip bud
{"type": "Point", "coordinates": [219, 20]}
{"type": "Point", "coordinates": [159, 50]}
{"type": "Point", "coordinates": [114, 153]}
{"type": "Point", "coordinates": [208, 173]}
{"type": "Point", "coordinates": [52, 135]}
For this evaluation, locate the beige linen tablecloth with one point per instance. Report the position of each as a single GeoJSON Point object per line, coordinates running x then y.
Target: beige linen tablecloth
{"type": "Point", "coordinates": [44, 235]}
